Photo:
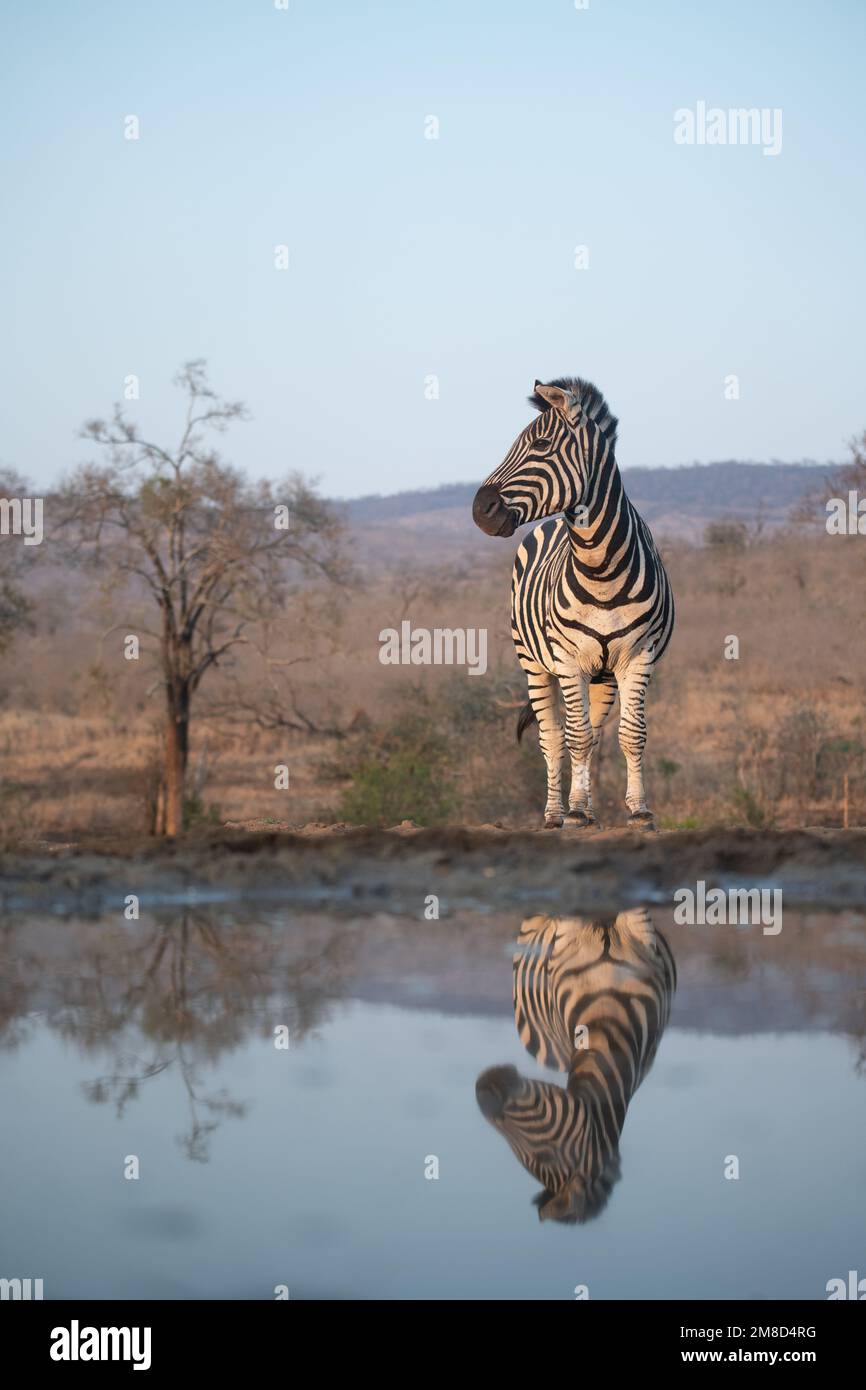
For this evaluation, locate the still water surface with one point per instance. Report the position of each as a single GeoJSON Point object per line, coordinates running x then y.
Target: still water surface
{"type": "Point", "coordinates": [441, 1124]}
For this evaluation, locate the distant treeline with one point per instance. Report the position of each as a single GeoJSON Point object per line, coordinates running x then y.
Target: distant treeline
{"type": "Point", "coordinates": [730, 487]}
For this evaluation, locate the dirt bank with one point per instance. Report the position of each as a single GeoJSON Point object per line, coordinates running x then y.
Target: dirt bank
{"type": "Point", "coordinates": [477, 867]}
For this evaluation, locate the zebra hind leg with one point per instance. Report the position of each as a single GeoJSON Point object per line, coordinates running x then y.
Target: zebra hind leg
{"type": "Point", "coordinates": [543, 699]}
{"type": "Point", "coordinates": [602, 694]}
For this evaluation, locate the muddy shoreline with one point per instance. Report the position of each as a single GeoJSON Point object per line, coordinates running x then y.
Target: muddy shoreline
{"type": "Point", "coordinates": [482, 868]}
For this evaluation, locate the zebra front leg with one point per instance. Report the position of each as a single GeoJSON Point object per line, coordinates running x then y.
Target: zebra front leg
{"type": "Point", "coordinates": [542, 697]}
{"type": "Point", "coordinates": [632, 736]}
{"type": "Point", "coordinates": [580, 740]}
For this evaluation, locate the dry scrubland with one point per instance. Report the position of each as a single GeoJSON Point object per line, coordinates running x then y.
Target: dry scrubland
{"type": "Point", "coordinates": [764, 740]}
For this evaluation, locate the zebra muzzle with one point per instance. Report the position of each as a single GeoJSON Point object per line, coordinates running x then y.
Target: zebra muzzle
{"type": "Point", "coordinates": [494, 1088]}
{"type": "Point", "coordinates": [490, 513]}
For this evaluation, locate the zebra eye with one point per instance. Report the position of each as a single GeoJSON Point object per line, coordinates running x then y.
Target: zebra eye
{"type": "Point", "coordinates": [542, 445]}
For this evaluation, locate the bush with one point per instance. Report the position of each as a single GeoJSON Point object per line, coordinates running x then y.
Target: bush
{"type": "Point", "coordinates": [196, 813]}
{"type": "Point", "coordinates": [406, 778]}
{"type": "Point", "coordinates": [748, 805]}
{"type": "Point", "coordinates": [468, 705]}
{"type": "Point", "coordinates": [726, 535]}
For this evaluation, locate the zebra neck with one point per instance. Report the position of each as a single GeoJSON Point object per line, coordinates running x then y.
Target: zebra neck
{"type": "Point", "coordinates": [604, 1085]}
{"type": "Point", "coordinates": [600, 528]}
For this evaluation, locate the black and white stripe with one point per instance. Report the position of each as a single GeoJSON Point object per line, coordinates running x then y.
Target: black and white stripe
{"type": "Point", "coordinates": [592, 608]}
{"type": "Point", "coordinates": [591, 999]}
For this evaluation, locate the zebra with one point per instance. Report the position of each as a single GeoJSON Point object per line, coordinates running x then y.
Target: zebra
{"type": "Point", "coordinates": [592, 608]}
{"type": "Point", "coordinates": [591, 998]}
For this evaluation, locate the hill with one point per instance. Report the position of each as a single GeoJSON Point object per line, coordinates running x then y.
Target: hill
{"type": "Point", "coordinates": [677, 502]}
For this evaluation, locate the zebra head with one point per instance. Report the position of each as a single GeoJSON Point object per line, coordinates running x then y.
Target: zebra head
{"type": "Point", "coordinates": [549, 466]}
{"type": "Point", "coordinates": [546, 1127]}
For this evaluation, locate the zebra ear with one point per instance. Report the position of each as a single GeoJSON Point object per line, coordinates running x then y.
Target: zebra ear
{"type": "Point", "coordinates": [565, 402]}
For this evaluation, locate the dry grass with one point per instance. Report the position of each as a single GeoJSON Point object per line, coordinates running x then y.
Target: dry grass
{"type": "Point", "coordinates": [762, 740]}
{"type": "Point", "coordinates": [68, 775]}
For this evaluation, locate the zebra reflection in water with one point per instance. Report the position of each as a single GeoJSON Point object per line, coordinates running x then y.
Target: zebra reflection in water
{"type": "Point", "coordinates": [591, 998]}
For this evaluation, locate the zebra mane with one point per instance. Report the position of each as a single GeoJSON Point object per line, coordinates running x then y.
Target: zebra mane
{"type": "Point", "coordinates": [592, 402]}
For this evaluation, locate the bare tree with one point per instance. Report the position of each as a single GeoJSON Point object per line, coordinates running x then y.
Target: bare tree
{"type": "Point", "coordinates": [853, 473]}
{"type": "Point", "coordinates": [215, 553]}
{"type": "Point", "coordinates": [850, 475]}
{"type": "Point", "coordinates": [277, 688]}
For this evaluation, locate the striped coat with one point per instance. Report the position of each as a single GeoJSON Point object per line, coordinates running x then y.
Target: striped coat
{"type": "Point", "coordinates": [591, 999]}
{"type": "Point", "coordinates": [592, 608]}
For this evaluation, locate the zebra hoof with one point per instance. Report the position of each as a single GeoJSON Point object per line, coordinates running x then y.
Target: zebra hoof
{"type": "Point", "coordinates": [551, 823]}
{"type": "Point", "coordinates": [642, 820]}
{"type": "Point", "coordinates": [580, 820]}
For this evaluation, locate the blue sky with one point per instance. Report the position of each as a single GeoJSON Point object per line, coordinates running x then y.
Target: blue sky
{"type": "Point", "coordinates": [411, 257]}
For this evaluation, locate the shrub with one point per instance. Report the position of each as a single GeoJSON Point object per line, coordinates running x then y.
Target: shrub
{"type": "Point", "coordinates": [196, 813]}
{"type": "Point", "coordinates": [748, 805]}
{"type": "Point", "coordinates": [405, 778]}
{"type": "Point", "coordinates": [726, 535]}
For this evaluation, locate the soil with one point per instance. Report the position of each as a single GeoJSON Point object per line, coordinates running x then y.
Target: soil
{"type": "Point", "coordinates": [478, 867]}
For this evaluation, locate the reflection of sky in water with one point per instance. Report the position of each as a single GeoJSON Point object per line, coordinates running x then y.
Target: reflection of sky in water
{"type": "Point", "coordinates": [314, 1172]}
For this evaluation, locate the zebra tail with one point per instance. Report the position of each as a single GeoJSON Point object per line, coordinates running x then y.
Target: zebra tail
{"type": "Point", "coordinates": [526, 719]}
